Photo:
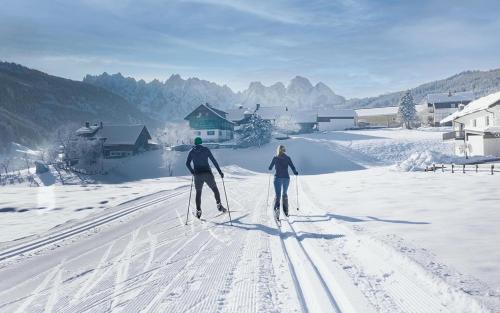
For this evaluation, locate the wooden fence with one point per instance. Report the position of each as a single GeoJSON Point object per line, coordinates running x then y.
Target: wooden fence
{"type": "Point", "coordinates": [490, 168]}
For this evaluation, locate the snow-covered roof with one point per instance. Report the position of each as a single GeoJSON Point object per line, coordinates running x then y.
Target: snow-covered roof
{"type": "Point", "coordinates": [337, 113]}
{"type": "Point", "coordinates": [87, 130]}
{"type": "Point", "coordinates": [420, 107]}
{"type": "Point", "coordinates": [443, 97]}
{"type": "Point", "coordinates": [271, 113]}
{"type": "Point", "coordinates": [121, 134]}
{"type": "Point", "coordinates": [377, 111]}
{"type": "Point", "coordinates": [475, 106]}
{"type": "Point", "coordinates": [236, 114]}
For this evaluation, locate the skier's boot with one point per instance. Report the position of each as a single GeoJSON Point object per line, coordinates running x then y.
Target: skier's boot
{"type": "Point", "coordinates": [198, 213]}
{"type": "Point", "coordinates": [277, 208]}
{"type": "Point", "coordinates": [221, 208]}
{"type": "Point", "coordinates": [285, 205]}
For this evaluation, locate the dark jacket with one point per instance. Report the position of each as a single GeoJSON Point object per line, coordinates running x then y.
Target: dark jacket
{"type": "Point", "coordinates": [199, 155]}
{"type": "Point", "coordinates": [282, 162]}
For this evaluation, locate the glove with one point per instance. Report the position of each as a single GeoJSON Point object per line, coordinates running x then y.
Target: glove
{"type": "Point", "coordinates": [221, 174]}
{"type": "Point", "coordinates": [192, 172]}
{"type": "Point", "coordinates": [296, 173]}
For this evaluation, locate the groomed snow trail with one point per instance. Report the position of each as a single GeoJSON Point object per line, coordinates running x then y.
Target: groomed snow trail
{"type": "Point", "coordinates": [149, 261]}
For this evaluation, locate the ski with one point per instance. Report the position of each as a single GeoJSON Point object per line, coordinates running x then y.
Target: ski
{"type": "Point", "coordinates": [202, 219]}
{"type": "Point", "coordinates": [277, 218]}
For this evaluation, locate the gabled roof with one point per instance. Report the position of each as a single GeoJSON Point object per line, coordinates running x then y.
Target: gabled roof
{"type": "Point", "coordinates": [121, 134]}
{"type": "Point", "coordinates": [475, 106]}
{"type": "Point", "coordinates": [377, 111]}
{"type": "Point", "coordinates": [219, 113]}
{"type": "Point", "coordinates": [237, 114]}
{"type": "Point", "coordinates": [443, 97]}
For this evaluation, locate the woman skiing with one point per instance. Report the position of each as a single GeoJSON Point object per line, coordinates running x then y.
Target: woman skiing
{"type": "Point", "coordinates": [281, 179]}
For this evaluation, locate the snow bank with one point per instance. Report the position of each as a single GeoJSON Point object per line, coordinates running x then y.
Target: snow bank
{"type": "Point", "coordinates": [419, 161]}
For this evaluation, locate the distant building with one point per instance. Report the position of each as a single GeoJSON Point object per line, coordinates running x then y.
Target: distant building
{"type": "Point", "coordinates": [210, 124]}
{"type": "Point", "coordinates": [336, 119]}
{"type": "Point", "coordinates": [440, 105]}
{"type": "Point", "coordinates": [118, 141]}
{"type": "Point", "coordinates": [378, 117]}
{"type": "Point", "coordinates": [476, 127]}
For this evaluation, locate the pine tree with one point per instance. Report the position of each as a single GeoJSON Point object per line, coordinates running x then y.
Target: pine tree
{"type": "Point", "coordinates": [254, 133]}
{"type": "Point", "coordinates": [407, 114]}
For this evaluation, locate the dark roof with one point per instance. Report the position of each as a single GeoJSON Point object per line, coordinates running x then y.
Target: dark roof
{"type": "Point", "coordinates": [216, 112]}
{"type": "Point", "coordinates": [122, 134]}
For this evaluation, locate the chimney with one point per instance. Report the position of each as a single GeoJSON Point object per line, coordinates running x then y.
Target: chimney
{"type": "Point", "coordinates": [240, 107]}
{"type": "Point", "coordinates": [100, 124]}
{"type": "Point", "coordinates": [257, 106]}
{"type": "Point", "coordinates": [461, 106]}
{"type": "Point", "coordinates": [87, 124]}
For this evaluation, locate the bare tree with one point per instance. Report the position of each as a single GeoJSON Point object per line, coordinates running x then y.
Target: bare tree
{"type": "Point", "coordinates": [64, 138]}
{"type": "Point", "coordinates": [169, 158]}
{"type": "Point", "coordinates": [5, 165]}
{"type": "Point", "coordinates": [27, 161]}
{"type": "Point", "coordinates": [175, 134]}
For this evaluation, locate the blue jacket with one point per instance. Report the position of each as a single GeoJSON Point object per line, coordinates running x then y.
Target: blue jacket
{"type": "Point", "coordinates": [199, 155]}
{"type": "Point", "coordinates": [281, 163]}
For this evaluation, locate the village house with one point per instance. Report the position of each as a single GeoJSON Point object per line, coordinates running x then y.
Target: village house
{"type": "Point", "coordinates": [440, 105]}
{"type": "Point", "coordinates": [378, 117]}
{"type": "Point", "coordinates": [118, 141]}
{"type": "Point", "coordinates": [476, 127]}
{"type": "Point", "coordinates": [336, 119]}
{"type": "Point", "coordinates": [210, 124]}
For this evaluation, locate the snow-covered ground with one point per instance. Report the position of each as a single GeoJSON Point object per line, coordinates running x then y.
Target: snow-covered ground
{"type": "Point", "coordinates": [369, 236]}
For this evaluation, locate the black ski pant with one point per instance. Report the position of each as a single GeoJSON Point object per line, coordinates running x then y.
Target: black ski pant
{"type": "Point", "coordinates": [209, 179]}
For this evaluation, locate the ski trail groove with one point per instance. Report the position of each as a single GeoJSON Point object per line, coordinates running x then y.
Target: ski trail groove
{"type": "Point", "coordinates": [30, 246]}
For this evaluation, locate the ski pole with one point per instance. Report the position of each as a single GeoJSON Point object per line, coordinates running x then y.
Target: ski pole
{"type": "Point", "coordinates": [297, 190]}
{"type": "Point", "coordinates": [189, 202]}
{"type": "Point", "coordinates": [227, 202]}
{"type": "Point", "coordinates": [268, 188]}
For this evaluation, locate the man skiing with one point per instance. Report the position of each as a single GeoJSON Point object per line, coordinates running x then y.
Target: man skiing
{"type": "Point", "coordinates": [281, 179]}
{"type": "Point", "coordinates": [202, 173]}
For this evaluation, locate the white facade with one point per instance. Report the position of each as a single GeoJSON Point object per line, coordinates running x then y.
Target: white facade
{"type": "Point", "coordinates": [336, 119]}
{"type": "Point", "coordinates": [213, 135]}
{"type": "Point", "coordinates": [477, 127]}
{"type": "Point", "coordinates": [336, 124]}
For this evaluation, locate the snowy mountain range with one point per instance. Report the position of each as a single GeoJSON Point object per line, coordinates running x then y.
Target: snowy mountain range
{"type": "Point", "coordinates": [172, 99]}
{"type": "Point", "coordinates": [176, 97]}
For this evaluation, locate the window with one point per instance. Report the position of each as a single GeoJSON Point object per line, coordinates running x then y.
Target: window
{"type": "Point", "coordinates": [487, 120]}
{"type": "Point", "coordinates": [197, 133]}
{"type": "Point", "coordinates": [220, 132]}
{"type": "Point", "coordinates": [474, 123]}
{"type": "Point", "coordinates": [210, 132]}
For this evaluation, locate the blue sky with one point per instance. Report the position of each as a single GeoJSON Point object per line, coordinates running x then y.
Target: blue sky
{"type": "Point", "coordinates": [357, 47]}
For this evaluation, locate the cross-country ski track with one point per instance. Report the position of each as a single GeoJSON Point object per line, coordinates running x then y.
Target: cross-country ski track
{"type": "Point", "coordinates": [141, 257]}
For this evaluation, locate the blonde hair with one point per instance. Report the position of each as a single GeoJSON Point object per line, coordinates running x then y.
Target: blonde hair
{"type": "Point", "coordinates": [280, 150]}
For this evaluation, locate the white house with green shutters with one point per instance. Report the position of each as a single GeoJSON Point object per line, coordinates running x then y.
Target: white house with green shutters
{"type": "Point", "coordinates": [210, 124]}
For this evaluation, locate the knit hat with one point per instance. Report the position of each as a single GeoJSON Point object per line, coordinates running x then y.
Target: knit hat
{"type": "Point", "coordinates": [198, 141]}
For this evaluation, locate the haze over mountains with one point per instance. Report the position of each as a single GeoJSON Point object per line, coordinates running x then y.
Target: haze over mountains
{"type": "Point", "coordinates": [174, 98]}
{"type": "Point", "coordinates": [33, 104]}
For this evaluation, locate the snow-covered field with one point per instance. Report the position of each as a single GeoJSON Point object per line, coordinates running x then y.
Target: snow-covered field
{"type": "Point", "coordinates": [369, 236]}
